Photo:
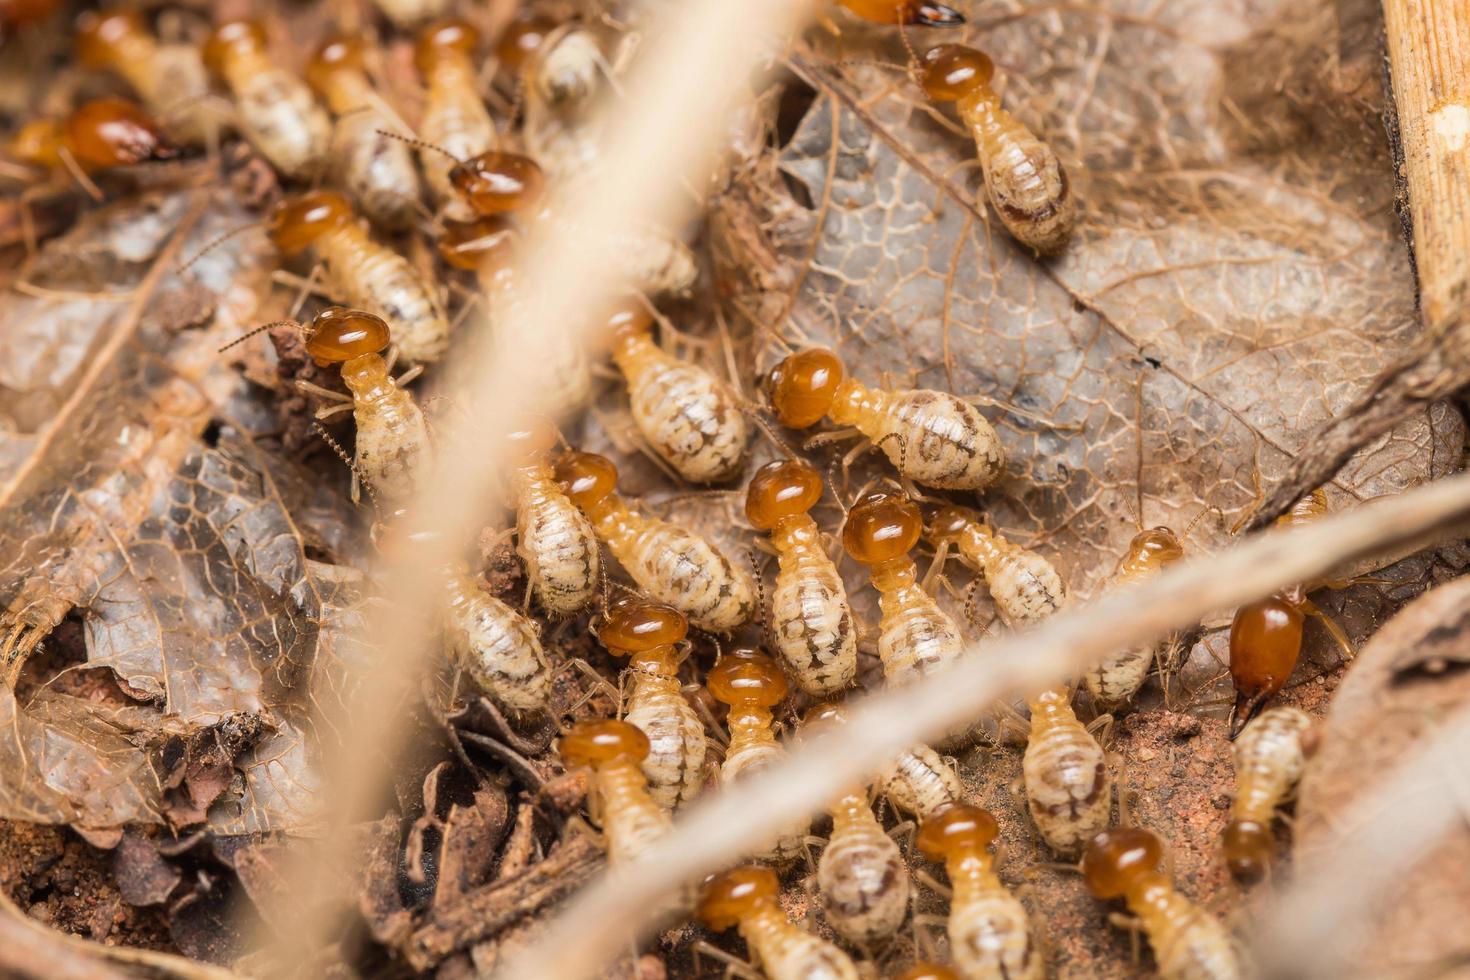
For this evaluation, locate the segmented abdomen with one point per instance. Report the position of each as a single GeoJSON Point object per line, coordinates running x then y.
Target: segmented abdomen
{"type": "Point", "coordinates": [690, 419]}
{"type": "Point", "coordinates": [1025, 588]}
{"type": "Point", "coordinates": [990, 937]}
{"type": "Point", "coordinates": [687, 572]}
{"type": "Point", "coordinates": [383, 282]}
{"type": "Point", "coordinates": [1269, 759]}
{"type": "Point", "coordinates": [746, 756]}
{"type": "Point", "coordinates": [1116, 679]}
{"type": "Point", "coordinates": [1068, 788]}
{"type": "Point", "coordinates": [937, 440]}
{"type": "Point", "coordinates": [1189, 944]}
{"type": "Point", "coordinates": [558, 546]}
{"type": "Point", "coordinates": [284, 122]}
{"type": "Point", "coordinates": [812, 622]}
{"type": "Point", "coordinates": [920, 782]}
{"type": "Point", "coordinates": [864, 882]}
{"type": "Point", "coordinates": [1023, 179]}
{"type": "Point", "coordinates": [674, 766]}
{"type": "Point", "coordinates": [916, 634]}
{"type": "Point", "coordinates": [630, 820]}
{"type": "Point", "coordinates": [457, 122]}
{"type": "Point", "coordinates": [498, 648]}
{"type": "Point", "coordinates": [787, 952]}
{"type": "Point", "coordinates": [393, 451]}
{"type": "Point", "coordinates": [377, 171]}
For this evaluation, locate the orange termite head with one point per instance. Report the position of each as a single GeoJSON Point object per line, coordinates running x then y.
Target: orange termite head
{"type": "Point", "coordinates": [1121, 860]}
{"type": "Point", "coordinates": [1265, 643]}
{"type": "Point", "coordinates": [452, 38]}
{"type": "Point", "coordinates": [337, 335]}
{"type": "Point", "coordinates": [802, 387]}
{"type": "Point", "coordinates": [745, 677]}
{"type": "Point", "coordinates": [597, 742]}
{"type": "Point", "coordinates": [100, 34]}
{"type": "Point", "coordinates": [113, 132]}
{"type": "Point", "coordinates": [497, 183]}
{"type": "Point", "coordinates": [824, 714]}
{"type": "Point", "coordinates": [1248, 847]}
{"type": "Point", "coordinates": [881, 527]}
{"type": "Point", "coordinates": [39, 143]}
{"type": "Point", "coordinates": [1156, 546]}
{"type": "Point", "coordinates": [627, 318]}
{"type": "Point", "coordinates": [953, 71]}
{"type": "Point", "coordinates": [779, 490]}
{"type": "Point", "coordinates": [641, 625]}
{"type": "Point", "coordinates": [487, 244]}
{"type": "Point", "coordinates": [910, 13]}
{"type": "Point", "coordinates": [947, 521]}
{"type": "Point", "coordinates": [521, 38]}
{"type": "Point", "coordinates": [341, 53]}
{"type": "Point", "coordinates": [586, 478]}
{"type": "Point", "coordinates": [732, 895]}
{"type": "Point", "coordinates": [531, 439]}
{"type": "Point", "coordinates": [297, 222]}
{"type": "Point", "coordinates": [230, 40]}
{"type": "Point", "coordinates": [956, 829]}
{"type": "Point", "coordinates": [926, 970]}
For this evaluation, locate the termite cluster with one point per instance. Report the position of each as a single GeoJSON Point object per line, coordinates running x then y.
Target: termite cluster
{"type": "Point", "coordinates": [707, 661]}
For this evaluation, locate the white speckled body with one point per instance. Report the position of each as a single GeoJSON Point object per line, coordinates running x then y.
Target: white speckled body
{"type": "Point", "coordinates": [375, 170]}
{"type": "Point", "coordinates": [1114, 680]}
{"type": "Point", "coordinates": [752, 747]}
{"type": "Point", "coordinates": [674, 766]}
{"type": "Point", "coordinates": [1269, 759]}
{"type": "Point", "coordinates": [1068, 785]}
{"type": "Point", "coordinates": [1023, 177]}
{"type": "Point", "coordinates": [811, 621]}
{"type": "Point", "coordinates": [393, 452]}
{"type": "Point", "coordinates": [279, 115]}
{"type": "Point", "coordinates": [407, 13]}
{"type": "Point", "coordinates": [368, 275]}
{"type": "Point", "coordinates": [788, 952]}
{"type": "Point", "coordinates": [932, 437]}
{"type": "Point", "coordinates": [1023, 584]}
{"type": "Point", "coordinates": [456, 121]}
{"type": "Point", "coordinates": [555, 541]}
{"type": "Point", "coordinates": [989, 932]}
{"type": "Point", "coordinates": [919, 781]}
{"type": "Point", "coordinates": [690, 418]}
{"type": "Point", "coordinates": [630, 818]}
{"type": "Point", "coordinates": [916, 636]}
{"type": "Point", "coordinates": [496, 646]}
{"type": "Point", "coordinates": [1189, 944]}
{"type": "Point", "coordinates": [173, 84]}
{"type": "Point", "coordinates": [862, 877]}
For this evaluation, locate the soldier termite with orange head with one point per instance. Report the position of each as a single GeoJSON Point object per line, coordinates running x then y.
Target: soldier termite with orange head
{"type": "Point", "coordinates": [1023, 177]}
{"type": "Point", "coordinates": [275, 109]}
{"type": "Point", "coordinates": [989, 931]}
{"type": "Point", "coordinates": [1023, 584]}
{"type": "Point", "coordinates": [671, 564]}
{"type": "Point", "coordinates": [811, 622]}
{"type": "Point", "coordinates": [1114, 681]}
{"type": "Point", "coordinates": [1266, 636]}
{"type": "Point", "coordinates": [749, 897]}
{"type": "Point", "coordinates": [752, 684]}
{"type": "Point", "coordinates": [648, 634]}
{"type": "Point", "coordinates": [690, 418]}
{"type": "Point", "coordinates": [554, 539]}
{"type": "Point", "coordinates": [932, 437]}
{"type": "Point", "coordinates": [169, 78]}
{"type": "Point", "coordinates": [363, 272]}
{"type": "Point", "coordinates": [375, 170]}
{"type": "Point", "coordinates": [455, 124]}
{"type": "Point", "coordinates": [99, 134]}
{"type": "Point", "coordinates": [1069, 789]}
{"type": "Point", "coordinates": [1189, 944]}
{"type": "Point", "coordinates": [1270, 756]}
{"type": "Point", "coordinates": [861, 875]}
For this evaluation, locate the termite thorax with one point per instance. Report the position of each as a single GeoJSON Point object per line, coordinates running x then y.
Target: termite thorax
{"type": "Point", "coordinates": [894, 574]}
{"type": "Point", "coordinates": [853, 401]}
{"type": "Point", "coordinates": [794, 532]}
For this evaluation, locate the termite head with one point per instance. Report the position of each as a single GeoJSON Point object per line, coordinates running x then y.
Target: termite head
{"type": "Point", "coordinates": [1265, 642]}
{"type": "Point", "coordinates": [745, 677]}
{"type": "Point", "coordinates": [336, 54]}
{"type": "Point", "coordinates": [639, 626]}
{"type": "Point", "coordinates": [881, 527]}
{"type": "Point", "coordinates": [532, 438]}
{"type": "Point", "coordinates": [927, 970]}
{"type": "Point", "coordinates": [600, 741]}
{"type": "Point", "coordinates": [907, 12]}
{"type": "Point", "coordinates": [113, 132]}
{"type": "Point", "coordinates": [731, 895]}
{"type": "Point", "coordinates": [1155, 547]}
{"type": "Point", "coordinates": [779, 490]}
{"type": "Point", "coordinates": [947, 521]}
{"type": "Point", "coordinates": [486, 244]}
{"type": "Point", "coordinates": [1248, 847]}
{"type": "Point", "coordinates": [953, 71]}
{"type": "Point", "coordinates": [957, 829]}
{"type": "Point", "coordinates": [497, 183]}
{"type": "Point", "coordinates": [39, 143]}
{"type": "Point", "coordinates": [231, 40]}
{"type": "Point", "coordinates": [627, 318]}
{"type": "Point", "coordinates": [452, 38]}
{"type": "Point", "coordinates": [1121, 860]}
{"type": "Point", "coordinates": [336, 335]}
{"type": "Point", "coordinates": [100, 35]}
{"type": "Point", "coordinates": [521, 38]}
{"type": "Point", "coordinates": [586, 478]}
{"type": "Point", "coordinates": [824, 715]}
{"type": "Point", "coordinates": [297, 222]}
{"type": "Point", "coordinates": [802, 387]}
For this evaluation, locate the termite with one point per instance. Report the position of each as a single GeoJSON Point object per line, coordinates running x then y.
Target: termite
{"type": "Point", "coordinates": [927, 970]}
{"type": "Point", "coordinates": [521, 38]}
{"type": "Point", "coordinates": [752, 684]}
{"type": "Point", "coordinates": [690, 418]}
{"type": "Point", "coordinates": [275, 109]}
{"type": "Point", "coordinates": [363, 272]}
{"type": "Point", "coordinates": [861, 876]}
{"type": "Point", "coordinates": [671, 564]}
{"type": "Point", "coordinates": [1069, 789]}
{"type": "Point", "coordinates": [989, 931]}
{"type": "Point", "coordinates": [406, 13]}
{"type": "Point", "coordinates": [649, 634]}
{"type": "Point", "coordinates": [102, 133]}
{"type": "Point", "coordinates": [1114, 681]}
{"type": "Point", "coordinates": [631, 821]}
{"type": "Point", "coordinates": [169, 78]}
{"type": "Point", "coordinates": [748, 897]}
{"type": "Point", "coordinates": [932, 437]}
{"type": "Point", "coordinates": [1023, 177]}
{"type": "Point", "coordinates": [375, 170]}
{"type": "Point", "coordinates": [910, 13]}
{"type": "Point", "coordinates": [918, 780]}
{"type": "Point", "coordinates": [916, 635]}
{"type": "Point", "coordinates": [496, 645]}
{"type": "Point", "coordinates": [456, 125]}
{"type": "Point", "coordinates": [1270, 756]}
{"type": "Point", "coordinates": [1189, 944]}
{"type": "Point", "coordinates": [554, 539]}
{"type": "Point", "coordinates": [811, 621]}
{"type": "Point", "coordinates": [1266, 636]}
{"type": "Point", "coordinates": [1023, 584]}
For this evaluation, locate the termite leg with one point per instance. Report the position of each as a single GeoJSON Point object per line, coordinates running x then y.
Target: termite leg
{"type": "Point", "coordinates": [1018, 412]}
{"type": "Point", "coordinates": [323, 414]}
{"type": "Point", "coordinates": [320, 392]}
{"type": "Point", "coordinates": [733, 963]}
{"type": "Point", "coordinates": [1334, 629]}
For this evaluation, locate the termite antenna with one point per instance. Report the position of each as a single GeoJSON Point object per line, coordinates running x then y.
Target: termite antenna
{"type": "Point", "coordinates": [214, 244]}
{"type": "Point", "coordinates": [1212, 509]}
{"type": "Point", "coordinates": [755, 414]}
{"type": "Point", "coordinates": [903, 35]}
{"type": "Point", "coordinates": [421, 144]}
{"type": "Point", "coordinates": [261, 329]}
